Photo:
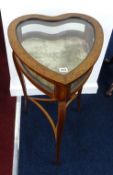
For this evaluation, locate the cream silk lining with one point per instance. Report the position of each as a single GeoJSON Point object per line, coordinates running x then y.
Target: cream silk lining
{"type": "Point", "coordinates": [54, 54]}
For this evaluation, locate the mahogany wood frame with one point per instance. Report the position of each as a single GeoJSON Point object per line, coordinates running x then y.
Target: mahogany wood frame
{"type": "Point", "coordinates": [62, 83]}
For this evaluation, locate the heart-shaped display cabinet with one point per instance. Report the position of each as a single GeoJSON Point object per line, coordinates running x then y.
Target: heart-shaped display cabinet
{"type": "Point", "coordinates": [57, 55]}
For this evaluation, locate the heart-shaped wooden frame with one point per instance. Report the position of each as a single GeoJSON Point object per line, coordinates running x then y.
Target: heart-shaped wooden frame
{"type": "Point", "coordinates": [40, 69]}
{"type": "Point", "coordinates": [62, 83]}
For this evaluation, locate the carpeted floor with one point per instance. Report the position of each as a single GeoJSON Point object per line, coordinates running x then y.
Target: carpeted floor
{"type": "Point", "coordinates": [7, 113]}
{"type": "Point", "coordinates": [87, 145]}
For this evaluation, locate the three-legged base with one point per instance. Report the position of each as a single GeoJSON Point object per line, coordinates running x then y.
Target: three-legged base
{"type": "Point", "coordinates": [58, 128]}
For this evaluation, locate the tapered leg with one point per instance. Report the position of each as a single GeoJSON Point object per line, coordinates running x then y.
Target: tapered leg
{"type": "Point", "coordinates": [60, 125]}
{"type": "Point", "coordinates": [21, 80]}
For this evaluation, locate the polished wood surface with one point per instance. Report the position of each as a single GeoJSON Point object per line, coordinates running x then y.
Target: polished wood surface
{"type": "Point", "coordinates": [40, 69]}
{"type": "Point", "coordinates": [62, 91]}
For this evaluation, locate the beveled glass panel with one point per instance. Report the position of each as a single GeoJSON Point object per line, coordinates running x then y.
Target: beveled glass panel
{"type": "Point", "coordinates": [40, 81]}
{"type": "Point", "coordinates": [48, 86]}
{"type": "Point", "coordinates": [77, 83]}
{"type": "Point", "coordinates": [60, 46]}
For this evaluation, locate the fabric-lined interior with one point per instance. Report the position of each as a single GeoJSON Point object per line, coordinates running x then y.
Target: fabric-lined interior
{"type": "Point", "coordinates": [66, 51]}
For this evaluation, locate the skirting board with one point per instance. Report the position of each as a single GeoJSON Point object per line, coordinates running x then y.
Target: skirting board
{"type": "Point", "coordinates": [91, 88]}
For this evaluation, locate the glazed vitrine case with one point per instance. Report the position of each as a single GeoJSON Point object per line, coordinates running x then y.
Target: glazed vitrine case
{"type": "Point", "coordinates": [57, 55]}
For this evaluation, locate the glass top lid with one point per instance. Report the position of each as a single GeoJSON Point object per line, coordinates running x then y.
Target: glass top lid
{"type": "Point", "coordinates": [60, 46]}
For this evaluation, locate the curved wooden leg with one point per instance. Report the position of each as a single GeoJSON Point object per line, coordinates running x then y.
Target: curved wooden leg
{"type": "Point", "coordinates": [59, 129]}
{"type": "Point", "coordinates": [21, 80]}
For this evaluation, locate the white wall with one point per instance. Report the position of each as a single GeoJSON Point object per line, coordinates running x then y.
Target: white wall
{"type": "Point", "coordinates": [101, 10]}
